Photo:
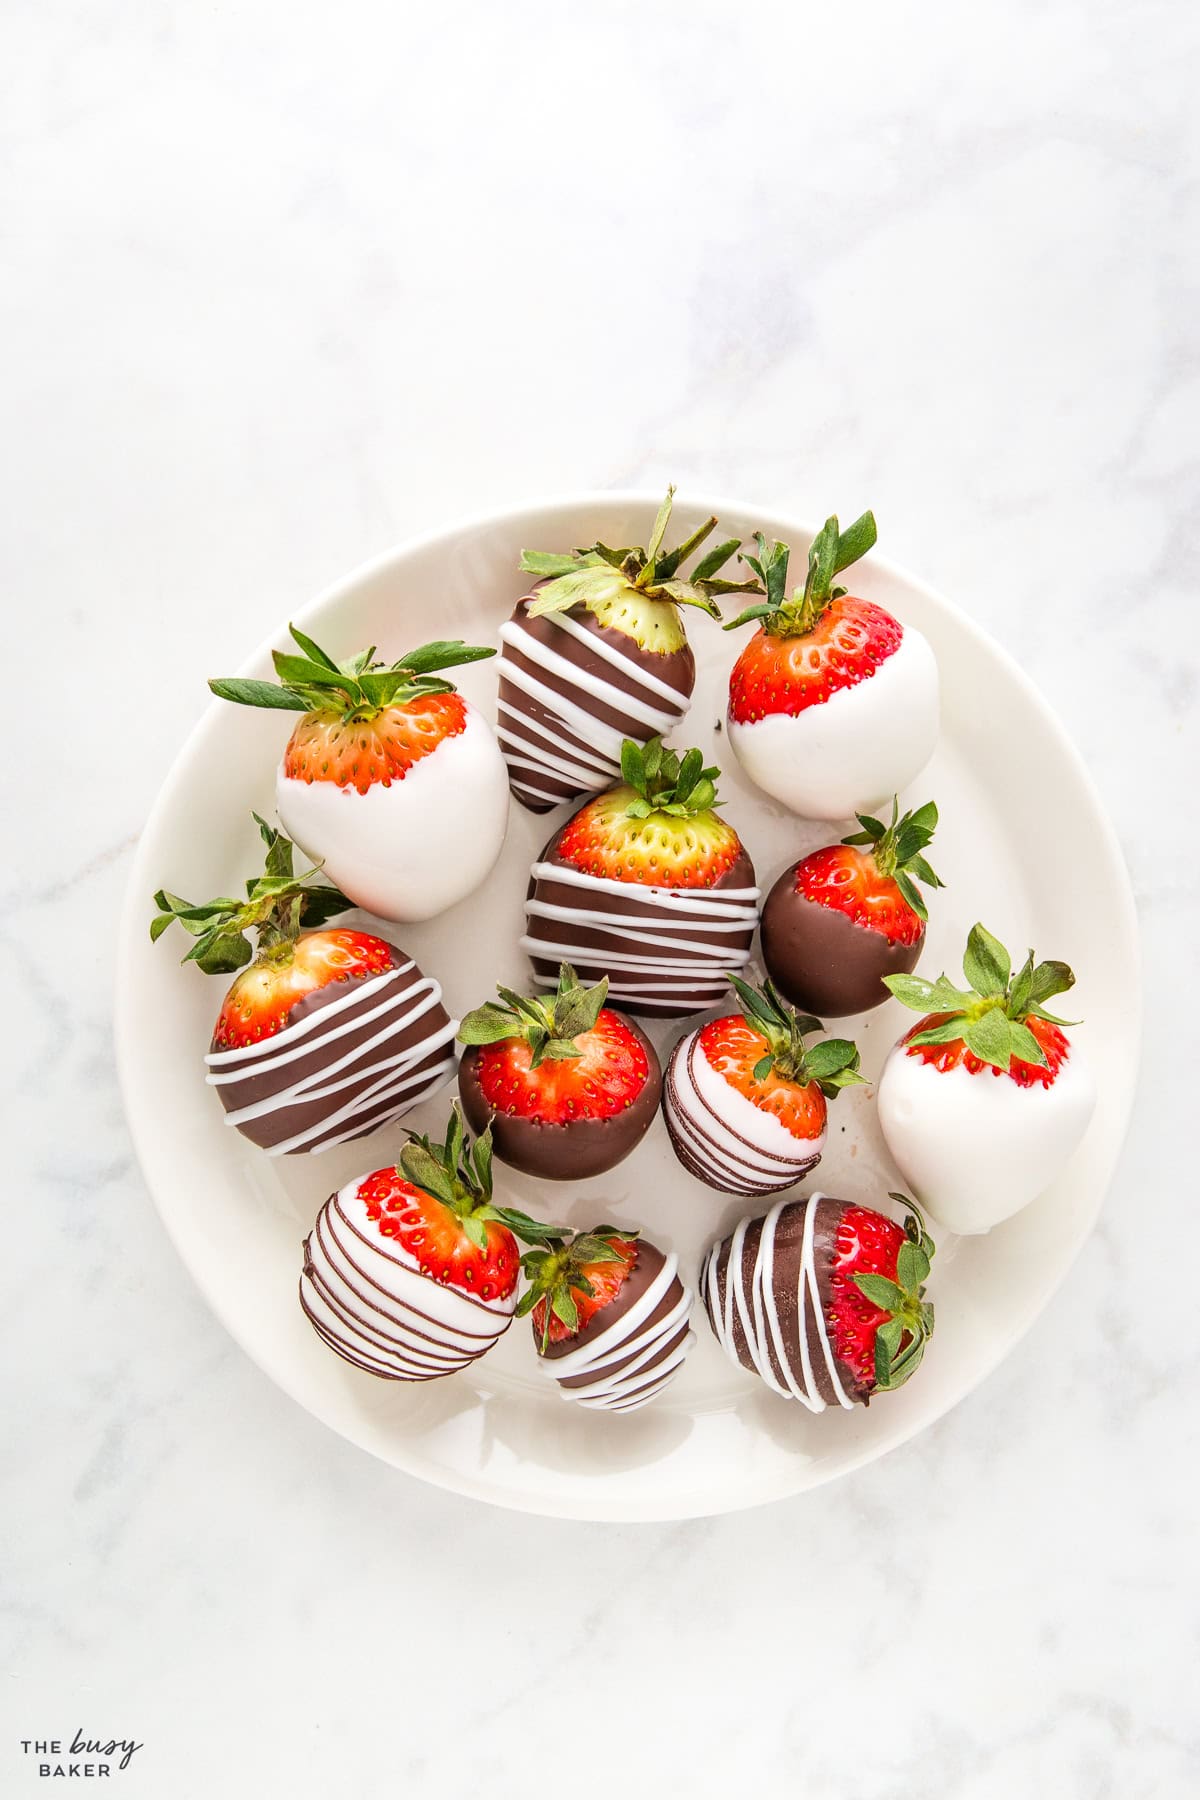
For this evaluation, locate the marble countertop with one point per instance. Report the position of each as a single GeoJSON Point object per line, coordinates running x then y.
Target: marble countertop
{"type": "Point", "coordinates": [286, 284]}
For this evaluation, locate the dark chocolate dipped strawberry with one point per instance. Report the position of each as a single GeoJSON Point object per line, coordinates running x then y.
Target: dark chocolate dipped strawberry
{"type": "Point", "coordinates": [597, 653]}
{"type": "Point", "coordinates": [570, 1087]}
{"type": "Point", "coordinates": [823, 1298]}
{"type": "Point", "coordinates": [391, 779]}
{"type": "Point", "coordinates": [326, 1034]}
{"type": "Point", "coordinates": [850, 914]}
{"type": "Point", "coordinates": [411, 1272]}
{"type": "Point", "coordinates": [833, 704]}
{"type": "Point", "coordinates": [745, 1098]}
{"type": "Point", "coordinates": [610, 1316]}
{"type": "Point", "coordinates": [648, 885]}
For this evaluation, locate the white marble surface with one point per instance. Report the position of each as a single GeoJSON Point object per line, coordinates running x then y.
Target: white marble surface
{"type": "Point", "coordinates": [284, 284]}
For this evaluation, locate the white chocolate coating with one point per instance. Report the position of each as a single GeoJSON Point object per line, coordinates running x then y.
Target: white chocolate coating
{"type": "Point", "coordinates": [722, 1137]}
{"type": "Point", "coordinates": [411, 849]}
{"type": "Point", "coordinates": [367, 1299]}
{"type": "Point", "coordinates": [975, 1149]}
{"type": "Point", "coordinates": [855, 750]}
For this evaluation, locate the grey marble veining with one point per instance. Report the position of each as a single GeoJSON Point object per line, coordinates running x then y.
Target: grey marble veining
{"type": "Point", "coordinates": [286, 284]}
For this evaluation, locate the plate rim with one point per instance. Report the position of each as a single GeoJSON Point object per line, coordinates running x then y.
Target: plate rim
{"type": "Point", "coordinates": [131, 925]}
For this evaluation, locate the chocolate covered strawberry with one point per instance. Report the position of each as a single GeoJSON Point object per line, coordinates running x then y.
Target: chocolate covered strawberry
{"type": "Point", "coordinates": [597, 653]}
{"type": "Point", "coordinates": [411, 1272]}
{"type": "Point", "coordinates": [745, 1098]}
{"type": "Point", "coordinates": [610, 1316]}
{"type": "Point", "coordinates": [326, 1034]}
{"type": "Point", "coordinates": [391, 779]}
{"type": "Point", "coordinates": [984, 1102]}
{"type": "Point", "coordinates": [847, 915]}
{"type": "Point", "coordinates": [648, 885]}
{"type": "Point", "coordinates": [833, 704]}
{"type": "Point", "coordinates": [823, 1298]}
{"type": "Point", "coordinates": [570, 1087]}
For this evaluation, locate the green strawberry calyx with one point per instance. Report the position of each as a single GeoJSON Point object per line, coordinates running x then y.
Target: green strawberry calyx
{"type": "Point", "coordinates": [458, 1173]}
{"type": "Point", "coordinates": [664, 782]}
{"type": "Point", "coordinates": [555, 1272]}
{"type": "Point", "coordinates": [358, 689]}
{"type": "Point", "coordinates": [900, 1341]}
{"type": "Point", "coordinates": [991, 1013]}
{"type": "Point", "coordinates": [832, 1064]}
{"type": "Point", "coordinates": [601, 573]}
{"type": "Point", "coordinates": [831, 551]}
{"type": "Point", "coordinates": [278, 905]}
{"type": "Point", "coordinates": [898, 850]}
{"type": "Point", "coordinates": [550, 1025]}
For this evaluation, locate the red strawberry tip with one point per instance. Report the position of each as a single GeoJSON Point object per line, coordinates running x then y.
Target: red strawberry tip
{"type": "Point", "coordinates": [551, 1026]}
{"type": "Point", "coordinates": [897, 850]}
{"type": "Point", "coordinates": [832, 1064]}
{"type": "Point", "coordinates": [990, 1015]}
{"type": "Point", "coordinates": [901, 1339]}
{"type": "Point", "coordinates": [556, 1272]}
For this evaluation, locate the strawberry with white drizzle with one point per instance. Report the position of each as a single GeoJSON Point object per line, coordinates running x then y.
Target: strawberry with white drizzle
{"type": "Point", "coordinates": [822, 1298]}
{"type": "Point", "coordinates": [984, 1102]}
{"type": "Point", "coordinates": [833, 704]}
{"type": "Point", "coordinates": [391, 780]}
{"type": "Point", "coordinates": [411, 1272]}
{"type": "Point", "coordinates": [597, 653]}
{"type": "Point", "coordinates": [327, 1033]}
{"type": "Point", "coordinates": [610, 1316]}
{"type": "Point", "coordinates": [648, 885]}
{"type": "Point", "coordinates": [744, 1096]}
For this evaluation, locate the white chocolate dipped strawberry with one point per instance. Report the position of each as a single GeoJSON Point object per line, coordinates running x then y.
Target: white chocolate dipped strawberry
{"type": "Point", "coordinates": [391, 780]}
{"type": "Point", "coordinates": [597, 653]}
{"type": "Point", "coordinates": [410, 1272]}
{"type": "Point", "coordinates": [833, 704]}
{"type": "Point", "coordinates": [984, 1102]}
{"type": "Point", "coordinates": [744, 1097]}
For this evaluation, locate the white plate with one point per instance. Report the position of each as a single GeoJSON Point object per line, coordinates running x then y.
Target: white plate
{"type": "Point", "coordinates": [1024, 845]}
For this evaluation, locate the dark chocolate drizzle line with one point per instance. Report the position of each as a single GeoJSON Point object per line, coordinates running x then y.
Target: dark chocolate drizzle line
{"type": "Point", "coordinates": [677, 1115]}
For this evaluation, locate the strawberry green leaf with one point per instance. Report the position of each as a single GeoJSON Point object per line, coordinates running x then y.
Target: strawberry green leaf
{"type": "Point", "coordinates": [1025, 1046]}
{"type": "Point", "coordinates": [986, 964]}
{"type": "Point", "coordinates": [489, 1024]}
{"type": "Point", "coordinates": [881, 1292]}
{"type": "Point", "coordinates": [257, 693]}
{"type": "Point", "coordinates": [946, 1031]}
{"type": "Point", "coordinates": [988, 1037]}
{"type": "Point", "coordinates": [913, 897]}
{"type": "Point", "coordinates": [425, 1171]}
{"type": "Point", "coordinates": [1048, 979]}
{"type": "Point", "coordinates": [912, 1266]}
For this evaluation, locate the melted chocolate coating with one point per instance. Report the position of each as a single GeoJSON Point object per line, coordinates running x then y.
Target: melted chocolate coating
{"type": "Point", "coordinates": [824, 962]}
{"type": "Point", "coordinates": [264, 1076]}
{"type": "Point", "coordinates": [649, 1263]}
{"type": "Point", "coordinates": [571, 1151]}
{"type": "Point", "coordinates": [694, 944]}
{"type": "Point", "coordinates": [795, 1312]}
{"type": "Point", "coordinates": [547, 788]}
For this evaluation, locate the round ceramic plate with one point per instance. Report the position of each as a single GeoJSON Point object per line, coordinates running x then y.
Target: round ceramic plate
{"type": "Point", "coordinates": [1024, 845]}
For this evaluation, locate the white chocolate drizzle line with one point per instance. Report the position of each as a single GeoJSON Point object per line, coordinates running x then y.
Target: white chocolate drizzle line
{"type": "Point", "coordinates": [633, 1342]}
{"type": "Point", "coordinates": [692, 960]}
{"type": "Point", "coordinates": [539, 772]}
{"type": "Point", "coordinates": [710, 1146]}
{"type": "Point", "coordinates": [379, 1086]}
{"type": "Point", "coordinates": [758, 1314]}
